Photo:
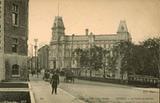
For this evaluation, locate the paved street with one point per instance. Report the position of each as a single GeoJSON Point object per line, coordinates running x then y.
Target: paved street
{"type": "Point", "coordinates": [42, 93]}
{"type": "Point", "coordinates": [92, 92]}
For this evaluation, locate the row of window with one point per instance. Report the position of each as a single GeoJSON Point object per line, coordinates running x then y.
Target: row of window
{"type": "Point", "coordinates": [15, 16]}
{"type": "Point", "coordinates": [107, 46]}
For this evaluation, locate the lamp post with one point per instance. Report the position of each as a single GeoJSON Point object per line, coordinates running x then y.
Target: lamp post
{"type": "Point", "coordinates": [71, 51]}
{"type": "Point", "coordinates": [36, 57]}
{"type": "Point", "coordinates": [58, 59]}
{"type": "Point", "coordinates": [104, 64]}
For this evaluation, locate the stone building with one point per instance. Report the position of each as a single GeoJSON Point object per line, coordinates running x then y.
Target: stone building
{"type": "Point", "coordinates": [43, 54]}
{"type": "Point", "coordinates": [62, 46]}
{"type": "Point", "coordinates": [13, 39]}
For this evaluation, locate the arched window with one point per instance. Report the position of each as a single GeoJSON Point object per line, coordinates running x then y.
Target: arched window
{"type": "Point", "coordinates": [15, 70]}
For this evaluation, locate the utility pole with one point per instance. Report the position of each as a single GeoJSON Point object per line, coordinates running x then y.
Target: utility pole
{"type": "Point", "coordinates": [159, 62]}
{"type": "Point", "coordinates": [36, 56]}
{"type": "Point", "coordinates": [31, 58]}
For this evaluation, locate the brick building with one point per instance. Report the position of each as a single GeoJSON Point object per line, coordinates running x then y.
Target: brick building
{"type": "Point", "coordinates": [13, 39]}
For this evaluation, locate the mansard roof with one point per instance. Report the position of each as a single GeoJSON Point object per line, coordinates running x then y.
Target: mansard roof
{"type": "Point", "coordinates": [122, 27]}
{"type": "Point", "coordinates": [102, 37]}
{"type": "Point", "coordinates": [58, 22]}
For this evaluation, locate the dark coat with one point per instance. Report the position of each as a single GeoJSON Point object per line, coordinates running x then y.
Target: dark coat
{"type": "Point", "coordinates": [55, 80]}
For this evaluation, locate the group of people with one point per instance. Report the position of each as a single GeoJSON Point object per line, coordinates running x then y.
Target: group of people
{"type": "Point", "coordinates": [46, 75]}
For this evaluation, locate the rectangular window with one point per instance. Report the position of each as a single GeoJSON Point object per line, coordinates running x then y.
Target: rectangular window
{"type": "Point", "coordinates": [14, 45]}
{"type": "Point", "coordinates": [15, 14]}
{"type": "Point", "coordinates": [14, 19]}
{"type": "Point", "coordinates": [15, 70]}
{"type": "Point", "coordinates": [15, 8]}
{"type": "Point", "coordinates": [15, 40]}
{"type": "Point", "coordinates": [14, 48]}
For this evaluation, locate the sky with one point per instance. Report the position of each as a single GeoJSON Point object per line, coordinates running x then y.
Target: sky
{"type": "Point", "coordinates": [99, 16]}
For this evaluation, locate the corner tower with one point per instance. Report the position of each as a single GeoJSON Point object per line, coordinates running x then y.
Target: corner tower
{"type": "Point", "coordinates": [123, 30]}
{"type": "Point", "coordinates": [122, 27]}
{"type": "Point", "coordinates": [58, 29]}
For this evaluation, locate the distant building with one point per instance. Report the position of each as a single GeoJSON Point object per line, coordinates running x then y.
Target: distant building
{"type": "Point", "coordinates": [32, 63]}
{"type": "Point", "coordinates": [62, 46]}
{"type": "Point", "coordinates": [13, 39]}
{"type": "Point", "coordinates": [43, 54]}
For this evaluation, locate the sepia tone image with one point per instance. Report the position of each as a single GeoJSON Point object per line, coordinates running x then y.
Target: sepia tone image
{"type": "Point", "coordinates": [79, 51]}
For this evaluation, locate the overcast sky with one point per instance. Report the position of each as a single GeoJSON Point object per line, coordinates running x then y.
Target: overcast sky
{"type": "Point", "coordinates": [99, 16]}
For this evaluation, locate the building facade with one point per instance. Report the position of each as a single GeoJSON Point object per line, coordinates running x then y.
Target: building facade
{"type": "Point", "coordinates": [13, 39]}
{"type": "Point", "coordinates": [62, 46]}
{"type": "Point", "coordinates": [43, 54]}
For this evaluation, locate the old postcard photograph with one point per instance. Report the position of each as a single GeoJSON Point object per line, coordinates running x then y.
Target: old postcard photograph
{"type": "Point", "coordinates": [79, 51]}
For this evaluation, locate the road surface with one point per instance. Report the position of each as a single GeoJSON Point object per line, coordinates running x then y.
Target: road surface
{"type": "Point", "coordinates": [94, 92]}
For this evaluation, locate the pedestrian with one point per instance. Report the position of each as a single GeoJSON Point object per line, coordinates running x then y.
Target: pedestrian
{"type": "Point", "coordinates": [32, 71]}
{"type": "Point", "coordinates": [55, 82]}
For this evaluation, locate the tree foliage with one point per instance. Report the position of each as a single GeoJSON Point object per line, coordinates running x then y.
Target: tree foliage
{"type": "Point", "coordinates": [141, 59]}
{"type": "Point", "coordinates": [91, 58]}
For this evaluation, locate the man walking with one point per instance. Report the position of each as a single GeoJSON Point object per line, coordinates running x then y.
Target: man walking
{"type": "Point", "coordinates": [55, 82]}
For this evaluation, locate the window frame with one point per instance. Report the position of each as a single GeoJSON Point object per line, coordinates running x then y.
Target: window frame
{"type": "Point", "coordinates": [14, 45]}
{"type": "Point", "coordinates": [15, 14]}
{"type": "Point", "coordinates": [14, 69]}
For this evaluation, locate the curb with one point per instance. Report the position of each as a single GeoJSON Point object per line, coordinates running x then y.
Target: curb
{"type": "Point", "coordinates": [75, 98]}
{"type": "Point", "coordinates": [148, 90]}
{"type": "Point", "coordinates": [32, 97]}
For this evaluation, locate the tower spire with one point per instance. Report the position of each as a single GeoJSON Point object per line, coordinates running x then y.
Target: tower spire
{"type": "Point", "coordinates": [58, 28]}
{"type": "Point", "coordinates": [58, 7]}
{"type": "Point", "coordinates": [122, 27]}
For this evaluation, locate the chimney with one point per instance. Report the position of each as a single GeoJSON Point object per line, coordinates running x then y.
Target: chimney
{"type": "Point", "coordinates": [86, 31]}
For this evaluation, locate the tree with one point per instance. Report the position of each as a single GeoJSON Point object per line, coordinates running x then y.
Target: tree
{"type": "Point", "coordinates": [96, 55]}
{"type": "Point", "coordinates": [105, 55]}
{"type": "Point", "coordinates": [112, 61]}
{"type": "Point", "coordinates": [91, 58]}
{"type": "Point", "coordinates": [95, 58]}
{"type": "Point", "coordinates": [152, 45]}
{"type": "Point", "coordinates": [142, 59]}
{"type": "Point", "coordinates": [122, 52]}
{"type": "Point", "coordinates": [82, 57]}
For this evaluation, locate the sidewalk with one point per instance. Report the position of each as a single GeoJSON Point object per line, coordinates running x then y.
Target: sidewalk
{"type": "Point", "coordinates": [42, 93]}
